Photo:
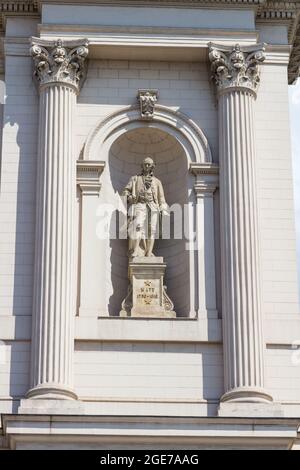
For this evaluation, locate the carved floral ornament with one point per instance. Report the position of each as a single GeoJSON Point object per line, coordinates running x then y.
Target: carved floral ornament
{"type": "Point", "coordinates": [59, 61]}
{"type": "Point", "coordinates": [147, 100]}
{"type": "Point", "coordinates": [236, 66]}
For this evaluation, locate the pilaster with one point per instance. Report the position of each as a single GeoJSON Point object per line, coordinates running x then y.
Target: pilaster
{"type": "Point", "coordinates": [207, 181]}
{"type": "Point", "coordinates": [88, 181]}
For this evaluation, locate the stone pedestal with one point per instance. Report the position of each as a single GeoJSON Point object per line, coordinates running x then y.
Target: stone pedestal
{"type": "Point", "coordinates": [250, 409]}
{"type": "Point", "coordinates": [147, 295]}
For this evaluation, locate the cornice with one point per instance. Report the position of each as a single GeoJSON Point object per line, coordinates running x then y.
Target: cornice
{"type": "Point", "coordinates": [157, 3]}
{"type": "Point", "coordinates": [278, 54]}
{"type": "Point", "coordinates": [267, 11]}
{"type": "Point", "coordinates": [88, 176]}
{"type": "Point", "coordinates": [15, 8]}
{"type": "Point", "coordinates": [18, 6]}
{"type": "Point", "coordinates": [283, 12]}
{"type": "Point", "coordinates": [288, 13]}
{"type": "Point", "coordinates": [204, 169]}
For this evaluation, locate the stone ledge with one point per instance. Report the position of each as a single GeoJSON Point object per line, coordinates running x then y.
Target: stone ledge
{"type": "Point", "coordinates": [281, 333]}
{"type": "Point", "coordinates": [42, 431]}
{"type": "Point", "coordinates": [141, 329]}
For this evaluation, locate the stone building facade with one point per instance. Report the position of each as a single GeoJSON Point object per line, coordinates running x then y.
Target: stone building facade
{"type": "Point", "coordinates": [73, 372]}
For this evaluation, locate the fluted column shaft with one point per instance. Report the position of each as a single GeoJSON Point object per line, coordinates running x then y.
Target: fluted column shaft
{"type": "Point", "coordinates": [241, 303]}
{"type": "Point", "coordinates": [242, 322]}
{"type": "Point", "coordinates": [54, 284]}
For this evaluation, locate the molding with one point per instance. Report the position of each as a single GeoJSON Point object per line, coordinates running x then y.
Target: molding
{"type": "Point", "coordinates": [133, 43]}
{"type": "Point", "coordinates": [207, 178]}
{"type": "Point", "coordinates": [88, 176]}
{"type": "Point", "coordinates": [144, 429]}
{"type": "Point", "coordinates": [204, 169]}
{"type": "Point", "coordinates": [28, 8]}
{"type": "Point", "coordinates": [95, 30]}
{"type": "Point", "coordinates": [51, 392]}
{"type": "Point", "coordinates": [279, 334]}
{"type": "Point", "coordinates": [277, 54]}
{"type": "Point", "coordinates": [283, 12]}
{"type": "Point", "coordinates": [204, 189]}
{"type": "Point", "coordinates": [173, 122]}
{"type": "Point", "coordinates": [19, 6]}
{"type": "Point", "coordinates": [267, 11]}
{"type": "Point", "coordinates": [15, 46]}
{"type": "Point", "coordinates": [294, 65]}
{"type": "Point", "coordinates": [166, 3]}
{"type": "Point", "coordinates": [249, 394]}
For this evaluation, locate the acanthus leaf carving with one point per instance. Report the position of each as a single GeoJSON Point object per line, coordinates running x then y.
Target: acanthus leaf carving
{"type": "Point", "coordinates": [236, 67]}
{"type": "Point", "coordinates": [59, 61]}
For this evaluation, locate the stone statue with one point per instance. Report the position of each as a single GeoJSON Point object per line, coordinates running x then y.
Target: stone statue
{"type": "Point", "coordinates": [147, 296]}
{"type": "Point", "coordinates": [146, 201]}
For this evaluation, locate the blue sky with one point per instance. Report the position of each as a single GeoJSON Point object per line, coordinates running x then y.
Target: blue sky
{"type": "Point", "coordinates": [294, 99]}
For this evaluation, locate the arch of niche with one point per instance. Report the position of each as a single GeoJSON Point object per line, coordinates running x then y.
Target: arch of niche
{"type": "Point", "coordinates": [111, 132]}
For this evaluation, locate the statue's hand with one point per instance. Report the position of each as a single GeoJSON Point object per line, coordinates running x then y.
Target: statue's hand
{"type": "Point", "coordinates": [164, 209]}
{"type": "Point", "coordinates": [131, 199]}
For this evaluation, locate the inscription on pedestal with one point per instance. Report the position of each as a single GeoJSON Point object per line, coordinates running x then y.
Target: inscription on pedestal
{"type": "Point", "coordinates": [148, 294]}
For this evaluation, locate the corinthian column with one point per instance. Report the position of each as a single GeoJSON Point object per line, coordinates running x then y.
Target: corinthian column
{"type": "Point", "coordinates": [236, 74]}
{"type": "Point", "coordinates": [59, 68]}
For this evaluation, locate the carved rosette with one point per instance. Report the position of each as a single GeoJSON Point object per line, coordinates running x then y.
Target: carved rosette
{"type": "Point", "coordinates": [236, 67]}
{"type": "Point", "coordinates": [59, 62]}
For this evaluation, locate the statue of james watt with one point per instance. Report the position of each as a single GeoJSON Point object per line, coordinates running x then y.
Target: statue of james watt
{"type": "Point", "coordinates": [146, 201]}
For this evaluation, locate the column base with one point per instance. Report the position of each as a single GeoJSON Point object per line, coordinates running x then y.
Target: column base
{"type": "Point", "coordinates": [37, 406]}
{"type": "Point", "coordinates": [51, 392]}
{"type": "Point", "coordinates": [250, 410]}
{"type": "Point", "coordinates": [247, 395]}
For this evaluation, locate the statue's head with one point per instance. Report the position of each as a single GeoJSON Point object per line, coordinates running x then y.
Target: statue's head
{"type": "Point", "coordinates": [148, 165]}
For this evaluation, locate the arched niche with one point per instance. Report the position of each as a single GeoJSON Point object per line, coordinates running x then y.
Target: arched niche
{"type": "Point", "coordinates": [122, 141]}
{"type": "Point", "coordinates": [125, 157]}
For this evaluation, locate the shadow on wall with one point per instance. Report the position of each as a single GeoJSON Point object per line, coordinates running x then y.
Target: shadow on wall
{"type": "Point", "coordinates": [125, 158]}
{"type": "Point", "coordinates": [18, 189]}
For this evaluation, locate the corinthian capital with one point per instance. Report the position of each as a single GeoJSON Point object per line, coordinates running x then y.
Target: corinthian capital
{"type": "Point", "coordinates": [236, 67]}
{"type": "Point", "coordinates": [59, 61]}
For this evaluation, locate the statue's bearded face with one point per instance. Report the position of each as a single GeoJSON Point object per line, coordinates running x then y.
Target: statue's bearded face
{"type": "Point", "coordinates": [148, 165]}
